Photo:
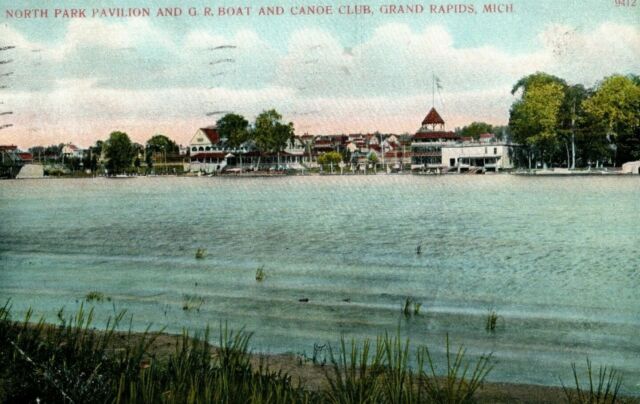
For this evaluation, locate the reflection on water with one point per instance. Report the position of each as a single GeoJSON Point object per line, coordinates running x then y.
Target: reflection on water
{"type": "Point", "coordinates": [557, 258]}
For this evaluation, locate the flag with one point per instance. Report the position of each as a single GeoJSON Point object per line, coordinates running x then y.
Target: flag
{"type": "Point", "coordinates": [438, 83]}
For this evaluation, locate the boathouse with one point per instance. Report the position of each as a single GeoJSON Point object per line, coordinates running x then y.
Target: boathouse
{"type": "Point", "coordinates": [427, 143]}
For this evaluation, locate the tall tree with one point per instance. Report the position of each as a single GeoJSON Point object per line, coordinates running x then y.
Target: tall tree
{"type": "Point", "coordinates": [234, 128]}
{"type": "Point", "coordinates": [536, 79]}
{"type": "Point", "coordinates": [572, 128]}
{"type": "Point", "coordinates": [270, 134]}
{"type": "Point", "coordinates": [119, 152]}
{"type": "Point", "coordinates": [535, 117]}
{"type": "Point", "coordinates": [615, 109]}
{"type": "Point", "coordinates": [161, 144]}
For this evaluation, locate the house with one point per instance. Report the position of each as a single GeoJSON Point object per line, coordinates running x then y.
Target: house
{"type": "Point", "coordinates": [479, 154]}
{"type": "Point", "coordinates": [210, 153]}
{"type": "Point", "coordinates": [427, 143]}
{"type": "Point", "coordinates": [206, 151]}
{"type": "Point", "coordinates": [70, 150]}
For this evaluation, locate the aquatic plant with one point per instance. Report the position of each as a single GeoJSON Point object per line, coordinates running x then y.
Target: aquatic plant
{"type": "Point", "coordinates": [456, 386]}
{"type": "Point", "coordinates": [260, 274]}
{"type": "Point", "coordinates": [407, 306]}
{"type": "Point", "coordinates": [200, 253]}
{"type": "Point", "coordinates": [96, 296]}
{"type": "Point", "coordinates": [191, 302]}
{"type": "Point", "coordinates": [604, 390]}
{"type": "Point", "coordinates": [492, 321]}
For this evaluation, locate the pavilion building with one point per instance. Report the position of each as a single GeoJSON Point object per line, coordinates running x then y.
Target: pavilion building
{"type": "Point", "coordinates": [427, 143]}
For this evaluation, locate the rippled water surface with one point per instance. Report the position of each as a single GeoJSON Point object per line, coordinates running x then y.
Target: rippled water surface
{"type": "Point", "coordinates": [557, 258]}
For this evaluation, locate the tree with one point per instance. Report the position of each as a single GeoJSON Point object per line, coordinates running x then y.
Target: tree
{"type": "Point", "coordinates": [161, 144]}
{"type": "Point", "coordinates": [269, 134]}
{"type": "Point", "coordinates": [571, 126]}
{"type": "Point", "coordinates": [535, 117]}
{"type": "Point", "coordinates": [234, 128]}
{"type": "Point", "coordinates": [536, 79]}
{"type": "Point", "coordinates": [119, 152]}
{"type": "Point", "coordinates": [475, 129]}
{"type": "Point", "coordinates": [615, 110]}
{"type": "Point", "coordinates": [330, 159]}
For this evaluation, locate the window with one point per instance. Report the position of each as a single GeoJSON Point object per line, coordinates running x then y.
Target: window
{"type": "Point", "coordinates": [495, 150]}
{"type": "Point", "coordinates": [201, 148]}
{"type": "Point", "coordinates": [194, 149]}
{"type": "Point", "coordinates": [207, 148]}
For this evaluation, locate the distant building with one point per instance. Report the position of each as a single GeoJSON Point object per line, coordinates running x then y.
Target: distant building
{"type": "Point", "coordinates": [207, 151]}
{"type": "Point", "coordinates": [485, 153]}
{"type": "Point", "coordinates": [210, 153]}
{"type": "Point", "coordinates": [427, 143]}
{"type": "Point", "coordinates": [71, 150]}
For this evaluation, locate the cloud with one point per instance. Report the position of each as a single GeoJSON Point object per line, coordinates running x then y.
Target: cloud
{"type": "Point", "coordinates": [585, 57]}
{"type": "Point", "coordinates": [104, 74]}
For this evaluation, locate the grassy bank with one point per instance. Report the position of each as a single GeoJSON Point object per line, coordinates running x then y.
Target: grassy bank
{"type": "Point", "coordinates": [74, 363]}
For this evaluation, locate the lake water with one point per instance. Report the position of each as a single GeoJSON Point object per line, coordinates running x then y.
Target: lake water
{"type": "Point", "coordinates": [557, 258]}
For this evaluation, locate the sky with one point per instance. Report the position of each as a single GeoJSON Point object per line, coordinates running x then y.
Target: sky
{"type": "Point", "coordinates": [76, 80]}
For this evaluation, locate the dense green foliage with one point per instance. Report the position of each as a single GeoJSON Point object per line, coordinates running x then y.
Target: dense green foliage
{"type": "Point", "coordinates": [234, 128]}
{"type": "Point", "coordinates": [570, 125]}
{"type": "Point", "coordinates": [271, 135]}
{"type": "Point", "coordinates": [119, 152]}
{"type": "Point", "coordinates": [330, 159]}
{"type": "Point", "coordinates": [268, 134]}
{"type": "Point", "coordinates": [614, 111]}
{"type": "Point", "coordinates": [475, 129]}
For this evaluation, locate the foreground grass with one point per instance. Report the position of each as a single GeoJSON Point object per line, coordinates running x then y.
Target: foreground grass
{"type": "Point", "coordinates": [73, 363]}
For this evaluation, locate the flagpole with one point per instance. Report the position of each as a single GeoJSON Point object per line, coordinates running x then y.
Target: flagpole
{"type": "Point", "coordinates": [433, 90]}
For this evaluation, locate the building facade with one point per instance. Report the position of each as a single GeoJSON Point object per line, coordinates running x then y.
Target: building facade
{"type": "Point", "coordinates": [427, 143]}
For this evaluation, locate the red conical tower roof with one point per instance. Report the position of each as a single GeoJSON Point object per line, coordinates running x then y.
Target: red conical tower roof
{"type": "Point", "coordinates": [433, 118]}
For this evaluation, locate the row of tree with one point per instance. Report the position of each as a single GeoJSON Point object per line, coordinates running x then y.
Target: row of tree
{"type": "Point", "coordinates": [267, 134]}
{"type": "Point", "coordinates": [568, 124]}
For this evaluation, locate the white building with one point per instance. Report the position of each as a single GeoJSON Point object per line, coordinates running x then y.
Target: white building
{"type": "Point", "coordinates": [632, 167]}
{"type": "Point", "coordinates": [477, 155]}
{"type": "Point", "coordinates": [71, 150]}
{"type": "Point", "coordinates": [206, 151]}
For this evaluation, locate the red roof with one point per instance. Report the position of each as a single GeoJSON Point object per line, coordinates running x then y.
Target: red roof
{"type": "Point", "coordinates": [435, 135]}
{"type": "Point", "coordinates": [433, 118]}
{"type": "Point", "coordinates": [8, 147]}
{"type": "Point", "coordinates": [26, 156]}
{"type": "Point", "coordinates": [487, 136]}
{"type": "Point", "coordinates": [212, 134]}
